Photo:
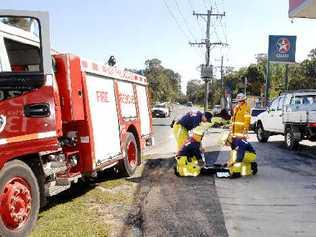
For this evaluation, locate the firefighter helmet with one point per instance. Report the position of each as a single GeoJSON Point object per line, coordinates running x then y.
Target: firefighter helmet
{"type": "Point", "coordinates": [240, 97]}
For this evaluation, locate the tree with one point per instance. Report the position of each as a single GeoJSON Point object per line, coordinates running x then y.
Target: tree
{"type": "Point", "coordinates": [20, 22]}
{"type": "Point", "coordinates": [255, 78]}
{"type": "Point", "coordinates": [164, 84]}
{"type": "Point", "coordinates": [195, 91]}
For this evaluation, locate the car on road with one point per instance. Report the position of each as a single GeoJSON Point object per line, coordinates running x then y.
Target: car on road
{"type": "Point", "coordinates": [190, 104]}
{"type": "Point", "coordinates": [254, 112]}
{"type": "Point", "coordinates": [293, 114]}
{"type": "Point", "coordinates": [161, 110]}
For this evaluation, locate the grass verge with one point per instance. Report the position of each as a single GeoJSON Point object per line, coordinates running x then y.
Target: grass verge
{"type": "Point", "coordinates": [88, 209]}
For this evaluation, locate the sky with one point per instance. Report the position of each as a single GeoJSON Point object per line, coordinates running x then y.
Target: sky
{"type": "Point", "coordinates": [136, 30]}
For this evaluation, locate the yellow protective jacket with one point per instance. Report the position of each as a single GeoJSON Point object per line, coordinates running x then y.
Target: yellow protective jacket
{"type": "Point", "coordinates": [241, 120]}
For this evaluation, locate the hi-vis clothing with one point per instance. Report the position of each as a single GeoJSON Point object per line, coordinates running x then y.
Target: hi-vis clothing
{"type": "Point", "coordinates": [242, 161]}
{"type": "Point", "coordinates": [182, 127]}
{"type": "Point", "coordinates": [181, 134]}
{"type": "Point", "coordinates": [240, 120]}
{"type": "Point", "coordinates": [187, 167]}
{"type": "Point", "coordinates": [191, 148]}
{"type": "Point", "coordinates": [241, 146]}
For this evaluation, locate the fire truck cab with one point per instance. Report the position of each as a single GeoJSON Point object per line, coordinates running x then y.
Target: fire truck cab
{"type": "Point", "coordinates": [62, 118]}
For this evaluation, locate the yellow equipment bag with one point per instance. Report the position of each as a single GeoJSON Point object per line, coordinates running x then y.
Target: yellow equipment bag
{"type": "Point", "coordinates": [185, 167]}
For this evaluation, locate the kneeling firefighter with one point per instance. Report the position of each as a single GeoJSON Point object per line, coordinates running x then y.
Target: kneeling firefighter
{"type": "Point", "coordinates": [188, 122]}
{"type": "Point", "coordinates": [242, 160]}
{"type": "Point", "coordinates": [190, 158]}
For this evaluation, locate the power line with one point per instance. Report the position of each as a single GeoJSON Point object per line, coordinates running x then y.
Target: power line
{"type": "Point", "coordinates": [179, 25]}
{"type": "Point", "coordinates": [192, 8]}
{"type": "Point", "coordinates": [184, 20]}
{"type": "Point", "coordinates": [205, 4]}
{"type": "Point", "coordinates": [190, 3]}
{"type": "Point", "coordinates": [175, 19]}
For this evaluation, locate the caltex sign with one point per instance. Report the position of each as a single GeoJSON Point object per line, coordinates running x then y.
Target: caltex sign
{"type": "Point", "coordinates": [282, 49]}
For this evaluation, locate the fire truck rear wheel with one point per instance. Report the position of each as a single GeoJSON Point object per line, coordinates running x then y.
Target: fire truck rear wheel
{"type": "Point", "coordinates": [20, 196]}
{"type": "Point", "coordinates": [129, 163]}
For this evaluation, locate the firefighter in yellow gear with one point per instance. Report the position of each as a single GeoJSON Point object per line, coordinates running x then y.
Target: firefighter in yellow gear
{"type": "Point", "coordinates": [189, 159]}
{"type": "Point", "coordinates": [188, 122]}
{"type": "Point", "coordinates": [241, 117]}
{"type": "Point", "coordinates": [242, 157]}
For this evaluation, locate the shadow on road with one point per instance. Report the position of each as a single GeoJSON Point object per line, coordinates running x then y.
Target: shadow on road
{"type": "Point", "coordinates": [161, 125]}
{"type": "Point", "coordinates": [167, 205]}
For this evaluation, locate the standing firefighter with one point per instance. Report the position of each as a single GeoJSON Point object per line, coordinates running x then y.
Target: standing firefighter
{"type": "Point", "coordinates": [241, 117]}
{"type": "Point", "coordinates": [189, 121]}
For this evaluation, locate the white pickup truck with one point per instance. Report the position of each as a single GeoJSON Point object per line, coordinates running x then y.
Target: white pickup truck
{"type": "Point", "coordinates": [292, 114]}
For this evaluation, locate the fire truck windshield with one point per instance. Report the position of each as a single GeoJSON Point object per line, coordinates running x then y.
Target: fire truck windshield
{"type": "Point", "coordinates": [20, 56]}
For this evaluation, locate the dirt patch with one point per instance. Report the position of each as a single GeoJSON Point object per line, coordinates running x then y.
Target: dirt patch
{"type": "Point", "coordinates": [168, 205]}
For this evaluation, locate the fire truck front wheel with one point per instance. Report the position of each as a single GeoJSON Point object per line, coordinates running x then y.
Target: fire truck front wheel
{"type": "Point", "coordinates": [129, 163]}
{"type": "Point", "coordinates": [20, 199]}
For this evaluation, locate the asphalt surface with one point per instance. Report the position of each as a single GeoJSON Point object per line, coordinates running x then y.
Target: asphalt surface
{"type": "Point", "coordinates": [171, 205]}
{"type": "Point", "coordinates": [279, 201]}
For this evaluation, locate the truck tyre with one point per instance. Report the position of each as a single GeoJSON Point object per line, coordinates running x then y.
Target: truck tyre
{"type": "Point", "coordinates": [129, 163]}
{"type": "Point", "coordinates": [262, 135]}
{"type": "Point", "coordinates": [20, 199]}
{"type": "Point", "coordinates": [290, 142]}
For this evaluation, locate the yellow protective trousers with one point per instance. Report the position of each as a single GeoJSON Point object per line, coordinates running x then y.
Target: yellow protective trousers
{"type": "Point", "coordinates": [181, 134]}
{"type": "Point", "coordinates": [186, 167]}
{"type": "Point", "coordinates": [243, 168]}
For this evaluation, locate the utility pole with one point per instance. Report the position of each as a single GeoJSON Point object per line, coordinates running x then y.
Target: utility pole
{"type": "Point", "coordinates": [246, 82]}
{"type": "Point", "coordinates": [206, 70]}
{"type": "Point", "coordinates": [222, 81]}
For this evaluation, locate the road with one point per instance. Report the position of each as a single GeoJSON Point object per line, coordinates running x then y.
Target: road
{"type": "Point", "coordinates": [279, 201]}
{"type": "Point", "coordinates": [173, 206]}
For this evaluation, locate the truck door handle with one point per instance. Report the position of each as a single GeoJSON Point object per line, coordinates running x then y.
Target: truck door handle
{"type": "Point", "coordinates": [37, 110]}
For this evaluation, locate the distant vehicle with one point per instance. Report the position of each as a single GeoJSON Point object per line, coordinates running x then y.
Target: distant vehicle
{"type": "Point", "coordinates": [254, 113]}
{"type": "Point", "coordinates": [189, 103]}
{"type": "Point", "coordinates": [161, 110]}
{"type": "Point", "coordinates": [216, 109]}
{"type": "Point", "coordinates": [293, 114]}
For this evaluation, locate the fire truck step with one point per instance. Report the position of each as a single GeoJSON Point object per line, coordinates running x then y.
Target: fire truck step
{"type": "Point", "coordinates": [53, 190]}
{"type": "Point", "coordinates": [64, 181]}
{"type": "Point", "coordinates": [49, 170]}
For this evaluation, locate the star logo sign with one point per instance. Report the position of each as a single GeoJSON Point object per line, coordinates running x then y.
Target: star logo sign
{"type": "Point", "coordinates": [283, 45]}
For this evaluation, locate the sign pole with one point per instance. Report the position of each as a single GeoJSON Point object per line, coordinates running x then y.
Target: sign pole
{"type": "Point", "coordinates": [286, 77]}
{"type": "Point", "coordinates": [281, 50]}
{"type": "Point", "coordinates": [267, 84]}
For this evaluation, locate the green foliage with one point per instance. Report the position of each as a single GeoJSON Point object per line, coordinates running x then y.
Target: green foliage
{"type": "Point", "coordinates": [195, 91]}
{"type": "Point", "coordinates": [20, 22]}
{"type": "Point", "coordinates": [301, 76]}
{"type": "Point", "coordinates": [218, 122]}
{"type": "Point", "coordinates": [164, 84]}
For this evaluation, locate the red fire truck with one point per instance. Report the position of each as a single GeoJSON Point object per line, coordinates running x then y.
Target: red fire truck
{"type": "Point", "coordinates": [62, 118]}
